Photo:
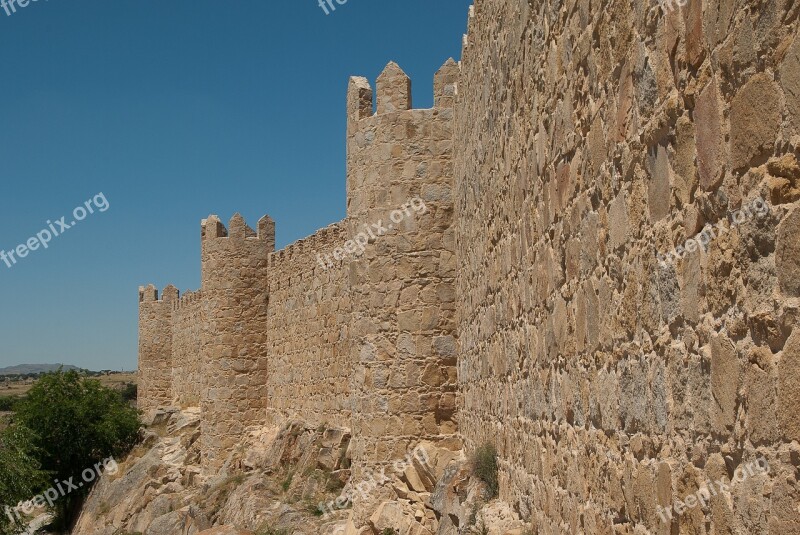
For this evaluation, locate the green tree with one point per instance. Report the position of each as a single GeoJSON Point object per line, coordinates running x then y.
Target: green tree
{"type": "Point", "coordinates": [20, 474]}
{"type": "Point", "coordinates": [129, 392]}
{"type": "Point", "coordinates": [77, 424]}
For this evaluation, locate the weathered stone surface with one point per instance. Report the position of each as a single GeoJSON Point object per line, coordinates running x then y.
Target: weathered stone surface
{"type": "Point", "coordinates": [710, 141]}
{"type": "Point", "coordinates": [787, 257]}
{"type": "Point", "coordinates": [789, 388]}
{"type": "Point", "coordinates": [790, 81]}
{"type": "Point", "coordinates": [725, 371]}
{"type": "Point", "coordinates": [674, 373]}
{"type": "Point", "coordinates": [392, 516]}
{"type": "Point", "coordinates": [755, 118]}
{"type": "Point", "coordinates": [658, 189]}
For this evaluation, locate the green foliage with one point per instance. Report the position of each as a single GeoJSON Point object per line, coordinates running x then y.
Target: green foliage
{"type": "Point", "coordinates": [77, 423]}
{"type": "Point", "coordinates": [484, 466]}
{"type": "Point", "coordinates": [8, 403]}
{"type": "Point", "coordinates": [130, 392]}
{"type": "Point", "coordinates": [287, 482]}
{"type": "Point", "coordinates": [20, 473]}
{"type": "Point", "coordinates": [389, 531]}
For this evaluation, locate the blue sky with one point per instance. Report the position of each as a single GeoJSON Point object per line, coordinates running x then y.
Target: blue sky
{"type": "Point", "coordinates": [175, 110]}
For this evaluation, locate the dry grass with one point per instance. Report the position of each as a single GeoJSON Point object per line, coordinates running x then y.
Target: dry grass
{"type": "Point", "coordinates": [20, 388]}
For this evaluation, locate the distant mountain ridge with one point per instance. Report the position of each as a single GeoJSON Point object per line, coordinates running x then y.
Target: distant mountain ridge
{"type": "Point", "coordinates": [24, 369]}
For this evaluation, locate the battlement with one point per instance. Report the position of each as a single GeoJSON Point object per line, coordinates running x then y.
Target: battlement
{"type": "Point", "coordinates": [149, 294]}
{"type": "Point", "coordinates": [238, 229]}
{"type": "Point", "coordinates": [393, 90]}
{"type": "Point", "coordinates": [397, 152]}
{"type": "Point", "coordinates": [305, 250]}
{"type": "Point", "coordinates": [187, 299]}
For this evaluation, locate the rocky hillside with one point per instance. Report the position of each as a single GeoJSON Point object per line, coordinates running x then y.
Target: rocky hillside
{"type": "Point", "coordinates": [286, 480]}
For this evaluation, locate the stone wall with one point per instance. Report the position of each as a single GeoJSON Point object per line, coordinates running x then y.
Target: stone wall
{"type": "Point", "coordinates": [187, 330]}
{"type": "Point", "coordinates": [590, 138]}
{"type": "Point", "coordinates": [309, 321]}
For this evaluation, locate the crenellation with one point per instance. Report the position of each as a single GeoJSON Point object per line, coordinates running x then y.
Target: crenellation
{"type": "Point", "coordinates": [238, 229]}
{"type": "Point", "coordinates": [359, 101]}
{"type": "Point", "coordinates": [243, 342]}
{"type": "Point", "coordinates": [266, 231]}
{"type": "Point", "coordinates": [212, 227]}
{"type": "Point", "coordinates": [148, 294]}
{"type": "Point", "coordinates": [234, 268]}
{"type": "Point", "coordinates": [170, 294]}
{"type": "Point", "coordinates": [393, 90]}
{"type": "Point", "coordinates": [445, 84]}
{"type": "Point", "coordinates": [186, 298]}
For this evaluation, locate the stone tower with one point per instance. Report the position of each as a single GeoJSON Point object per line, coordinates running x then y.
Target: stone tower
{"type": "Point", "coordinates": [155, 346]}
{"type": "Point", "coordinates": [404, 346]}
{"type": "Point", "coordinates": [234, 281]}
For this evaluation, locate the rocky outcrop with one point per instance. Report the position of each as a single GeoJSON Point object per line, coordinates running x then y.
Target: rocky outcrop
{"type": "Point", "coordinates": [292, 479]}
{"type": "Point", "coordinates": [275, 480]}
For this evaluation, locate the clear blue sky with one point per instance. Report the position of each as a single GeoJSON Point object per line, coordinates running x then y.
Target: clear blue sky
{"type": "Point", "coordinates": [175, 110]}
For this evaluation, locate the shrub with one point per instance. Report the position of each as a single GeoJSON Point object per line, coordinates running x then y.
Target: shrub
{"type": "Point", "coordinates": [8, 403]}
{"type": "Point", "coordinates": [77, 423]}
{"type": "Point", "coordinates": [20, 475]}
{"type": "Point", "coordinates": [484, 466]}
{"type": "Point", "coordinates": [389, 531]}
{"type": "Point", "coordinates": [130, 392]}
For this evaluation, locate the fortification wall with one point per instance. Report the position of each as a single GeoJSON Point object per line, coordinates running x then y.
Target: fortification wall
{"type": "Point", "coordinates": [310, 367]}
{"type": "Point", "coordinates": [532, 215]}
{"type": "Point", "coordinates": [590, 137]}
{"type": "Point", "coordinates": [187, 330]}
{"type": "Point", "coordinates": [155, 347]}
{"type": "Point", "coordinates": [399, 180]}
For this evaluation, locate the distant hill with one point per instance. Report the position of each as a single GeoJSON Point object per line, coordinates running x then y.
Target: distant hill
{"type": "Point", "coordinates": [24, 369]}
